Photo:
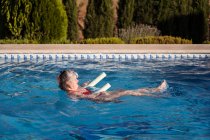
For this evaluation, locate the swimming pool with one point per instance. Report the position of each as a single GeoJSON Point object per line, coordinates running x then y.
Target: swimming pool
{"type": "Point", "coordinates": [33, 107]}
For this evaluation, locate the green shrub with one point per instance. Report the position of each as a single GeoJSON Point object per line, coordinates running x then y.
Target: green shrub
{"type": "Point", "coordinates": [206, 42]}
{"type": "Point", "coordinates": [48, 21]}
{"type": "Point", "coordinates": [61, 42]}
{"type": "Point", "coordinates": [41, 20]}
{"type": "Point", "coordinates": [186, 18]}
{"type": "Point", "coordinates": [160, 40]}
{"type": "Point", "coordinates": [102, 41]}
{"type": "Point", "coordinates": [18, 41]}
{"type": "Point", "coordinates": [26, 41]}
{"type": "Point", "coordinates": [14, 16]}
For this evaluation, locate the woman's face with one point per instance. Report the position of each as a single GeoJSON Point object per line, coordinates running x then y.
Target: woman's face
{"type": "Point", "coordinates": [73, 83]}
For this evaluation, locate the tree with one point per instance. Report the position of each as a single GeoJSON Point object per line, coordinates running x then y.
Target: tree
{"type": "Point", "coordinates": [14, 16]}
{"type": "Point", "coordinates": [71, 10]}
{"type": "Point", "coordinates": [145, 11]}
{"type": "Point", "coordinates": [90, 21]}
{"type": "Point", "coordinates": [42, 20]}
{"type": "Point", "coordinates": [48, 21]}
{"type": "Point", "coordinates": [99, 19]}
{"type": "Point", "coordinates": [186, 18]}
{"type": "Point", "coordinates": [125, 13]}
{"type": "Point", "coordinates": [106, 19]}
{"type": "Point", "coordinates": [199, 21]}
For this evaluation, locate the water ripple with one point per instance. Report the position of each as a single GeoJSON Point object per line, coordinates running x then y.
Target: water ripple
{"type": "Point", "coordinates": [32, 103]}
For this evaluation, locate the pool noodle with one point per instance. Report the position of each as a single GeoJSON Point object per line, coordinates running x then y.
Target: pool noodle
{"type": "Point", "coordinates": [97, 80]}
{"type": "Point", "coordinates": [104, 88]}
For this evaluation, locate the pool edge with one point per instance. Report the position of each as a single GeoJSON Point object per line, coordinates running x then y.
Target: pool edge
{"type": "Point", "coordinates": [105, 48]}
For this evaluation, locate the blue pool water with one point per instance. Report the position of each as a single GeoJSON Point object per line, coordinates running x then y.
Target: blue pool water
{"type": "Point", "coordinates": [33, 107]}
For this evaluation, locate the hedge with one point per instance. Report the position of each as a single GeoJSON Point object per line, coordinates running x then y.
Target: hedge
{"type": "Point", "coordinates": [102, 41]}
{"type": "Point", "coordinates": [18, 41]}
{"type": "Point", "coordinates": [160, 40]}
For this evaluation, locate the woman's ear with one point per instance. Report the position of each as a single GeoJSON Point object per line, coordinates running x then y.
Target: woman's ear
{"type": "Point", "coordinates": [68, 88]}
{"type": "Point", "coordinates": [68, 85]}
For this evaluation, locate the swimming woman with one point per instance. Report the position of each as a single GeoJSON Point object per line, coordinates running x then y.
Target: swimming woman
{"type": "Point", "coordinates": [68, 81]}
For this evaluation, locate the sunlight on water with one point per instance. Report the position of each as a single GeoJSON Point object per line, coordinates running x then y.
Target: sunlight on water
{"type": "Point", "coordinates": [33, 107]}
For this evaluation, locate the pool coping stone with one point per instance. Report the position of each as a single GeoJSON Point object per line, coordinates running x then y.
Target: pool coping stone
{"type": "Point", "coordinates": [104, 48]}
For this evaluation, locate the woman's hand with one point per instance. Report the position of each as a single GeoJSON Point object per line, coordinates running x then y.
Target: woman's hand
{"type": "Point", "coordinates": [85, 84]}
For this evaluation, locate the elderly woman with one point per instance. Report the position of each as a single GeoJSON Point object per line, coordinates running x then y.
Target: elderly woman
{"type": "Point", "coordinates": [68, 81]}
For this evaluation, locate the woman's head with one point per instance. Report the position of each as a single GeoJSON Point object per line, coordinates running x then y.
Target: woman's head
{"type": "Point", "coordinates": [67, 80]}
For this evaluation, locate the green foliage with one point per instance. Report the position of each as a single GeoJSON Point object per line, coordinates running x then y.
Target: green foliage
{"type": "Point", "coordinates": [106, 19]}
{"type": "Point", "coordinates": [160, 40]}
{"type": "Point", "coordinates": [102, 41]}
{"type": "Point", "coordinates": [186, 18]}
{"type": "Point", "coordinates": [90, 21]}
{"type": "Point", "coordinates": [17, 41]}
{"type": "Point", "coordinates": [200, 21]}
{"type": "Point", "coordinates": [206, 42]}
{"type": "Point", "coordinates": [99, 19]}
{"type": "Point", "coordinates": [14, 16]}
{"type": "Point", "coordinates": [71, 10]}
{"type": "Point", "coordinates": [125, 13]}
{"type": "Point", "coordinates": [26, 41]}
{"type": "Point", "coordinates": [145, 11]}
{"type": "Point", "coordinates": [48, 21]}
{"type": "Point", "coordinates": [42, 20]}
{"type": "Point", "coordinates": [140, 30]}
{"type": "Point", "coordinates": [61, 42]}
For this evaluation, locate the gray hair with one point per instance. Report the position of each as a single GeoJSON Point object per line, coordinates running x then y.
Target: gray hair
{"type": "Point", "coordinates": [64, 77]}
